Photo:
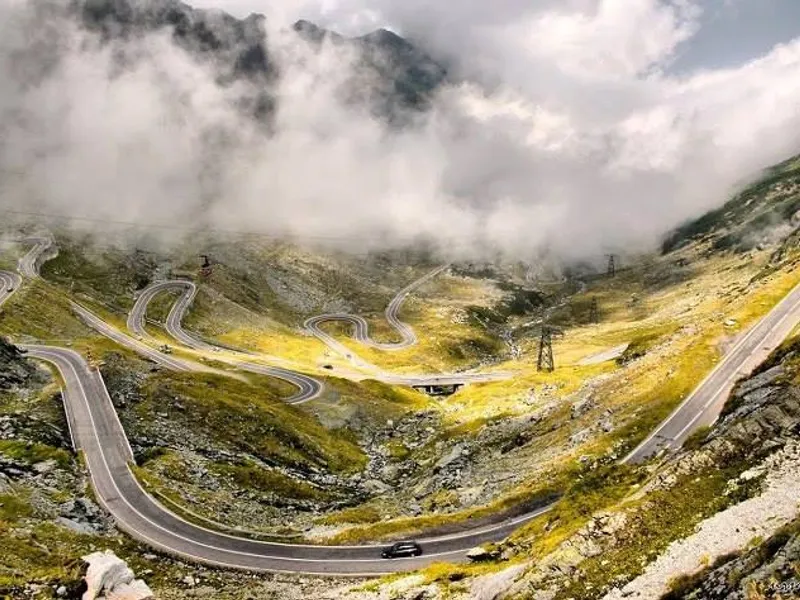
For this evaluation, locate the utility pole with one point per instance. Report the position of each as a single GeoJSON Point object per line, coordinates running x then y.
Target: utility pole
{"type": "Point", "coordinates": [593, 313]}
{"type": "Point", "coordinates": [612, 265]}
{"type": "Point", "coordinates": [545, 361]}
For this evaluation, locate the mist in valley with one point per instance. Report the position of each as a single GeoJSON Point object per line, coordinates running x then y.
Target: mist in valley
{"type": "Point", "coordinates": [560, 128]}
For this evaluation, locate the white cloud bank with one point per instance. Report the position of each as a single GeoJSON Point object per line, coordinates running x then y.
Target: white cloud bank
{"type": "Point", "coordinates": [569, 136]}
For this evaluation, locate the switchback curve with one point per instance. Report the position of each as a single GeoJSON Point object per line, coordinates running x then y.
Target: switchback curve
{"type": "Point", "coordinates": [308, 387]}
{"type": "Point", "coordinates": [361, 327]}
{"type": "Point", "coordinates": [98, 433]}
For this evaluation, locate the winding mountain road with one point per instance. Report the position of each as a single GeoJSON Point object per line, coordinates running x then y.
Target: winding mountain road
{"type": "Point", "coordinates": [44, 248]}
{"type": "Point", "coordinates": [308, 387]}
{"type": "Point", "coordinates": [9, 282]}
{"type": "Point", "coordinates": [361, 327]}
{"type": "Point", "coordinates": [111, 332]}
{"type": "Point", "coordinates": [95, 429]}
{"type": "Point", "coordinates": [703, 406]}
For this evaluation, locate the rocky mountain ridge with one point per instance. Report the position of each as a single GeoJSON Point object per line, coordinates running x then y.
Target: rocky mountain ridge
{"type": "Point", "coordinates": [391, 75]}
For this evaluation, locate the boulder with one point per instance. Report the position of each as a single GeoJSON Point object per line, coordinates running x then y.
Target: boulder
{"type": "Point", "coordinates": [580, 437]}
{"type": "Point", "coordinates": [107, 573]}
{"type": "Point", "coordinates": [479, 553]}
{"type": "Point", "coordinates": [376, 487]}
{"type": "Point", "coordinates": [76, 526]}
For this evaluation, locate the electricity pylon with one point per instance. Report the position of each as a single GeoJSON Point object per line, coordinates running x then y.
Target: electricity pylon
{"type": "Point", "coordinates": [594, 316]}
{"type": "Point", "coordinates": [545, 361]}
{"type": "Point", "coordinates": [612, 265]}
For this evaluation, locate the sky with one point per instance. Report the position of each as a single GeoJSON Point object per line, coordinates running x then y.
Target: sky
{"type": "Point", "coordinates": [729, 32]}
{"type": "Point", "coordinates": [571, 127]}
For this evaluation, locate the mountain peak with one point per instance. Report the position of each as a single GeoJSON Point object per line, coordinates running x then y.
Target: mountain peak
{"type": "Point", "coordinates": [387, 39]}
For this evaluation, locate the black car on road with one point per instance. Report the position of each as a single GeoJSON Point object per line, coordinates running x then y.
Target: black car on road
{"type": "Point", "coordinates": [402, 549]}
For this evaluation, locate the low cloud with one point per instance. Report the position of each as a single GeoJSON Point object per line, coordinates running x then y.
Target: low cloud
{"type": "Point", "coordinates": [567, 134]}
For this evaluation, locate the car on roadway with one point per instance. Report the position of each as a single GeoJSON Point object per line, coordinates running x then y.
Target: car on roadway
{"type": "Point", "coordinates": [10, 289]}
{"type": "Point", "coordinates": [402, 550]}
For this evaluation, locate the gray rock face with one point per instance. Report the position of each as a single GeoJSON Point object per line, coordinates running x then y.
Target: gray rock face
{"type": "Point", "coordinates": [451, 457]}
{"type": "Point", "coordinates": [759, 381]}
{"type": "Point", "coordinates": [376, 486]}
{"type": "Point", "coordinates": [135, 590]}
{"type": "Point", "coordinates": [14, 370]}
{"type": "Point", "coordinates": [766, 571]}
{"type": "Point", "coordinates": [401, 76]}
{"type": "Point", "coordinates": [578, 438]}
{"type": "Point", "coordinates": [76, 526]}
{"type": "Point", "coordinates": [44, 467]}
{"type": "Point", "coordinates": [82, 515]}
{"type": "Point", "coordinates": [495, 586]}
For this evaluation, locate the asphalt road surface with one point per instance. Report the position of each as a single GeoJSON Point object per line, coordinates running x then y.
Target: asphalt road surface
{"type": "Point", "coordinates": [43, 249]}
{"type": "Point", "coordinates": [361, 327]}
{"type": "Point", "coordinates": [96, 430]}
{"type": "Point", "coordinates": [308, 388]}
{"type": "Point", "coordinates": [703, 406]}
{"type": "Point", "coordinates": [111, 332]}
{"type": "Point", "coordinates": [408, 339]}
{"type": "Point", "coordinates": [9, 282]}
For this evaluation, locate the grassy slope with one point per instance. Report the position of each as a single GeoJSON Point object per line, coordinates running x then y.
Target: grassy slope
{"type": "Point", "coordinates": [678, 319]}
{"type": "Point", "coordinates": [447, 341]}
{"type": "Point", "coordinates": [770, 200]}
{"type": "Point", "coordinates": [680, 314]}
{"type": "Point", "coordinates": [654, 520]}
{"type": "Point", "coordinates": [248, 415]}
{"type": "Point", "coordinates": [681, 326]}
{"type": "Point", "coordinates": [684, 322]}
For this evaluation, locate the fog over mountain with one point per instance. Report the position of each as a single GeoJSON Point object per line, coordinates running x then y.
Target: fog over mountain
{"type": "Point", "coordinates": [511, 128]}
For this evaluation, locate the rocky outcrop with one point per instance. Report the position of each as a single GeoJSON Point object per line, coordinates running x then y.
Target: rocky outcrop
{"type": "Point", "coordinates": [494, 586]}
{"type": "Point", "coordinates": [721, 536]}
{"type": "Point", "coordinates": [761, 416]}
{"type": "Point", "coordinates": [135, 590]}
{"type": "Point", "coordinates": [14, 370]}
{"type": "Point", "coordinates": [109, 577]}
{"type": "Point", "coordinates": [238, 45]}
{"type": "Point", "coordinates": [762, 214]}
{"type": "Point", "coordinates": [83, 516]}
{"type": "Point", "coordinates": [767, 570]}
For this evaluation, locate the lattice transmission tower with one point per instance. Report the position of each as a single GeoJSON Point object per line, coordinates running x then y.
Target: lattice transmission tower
{"type": "Point", "coordinates": [545, 361]}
